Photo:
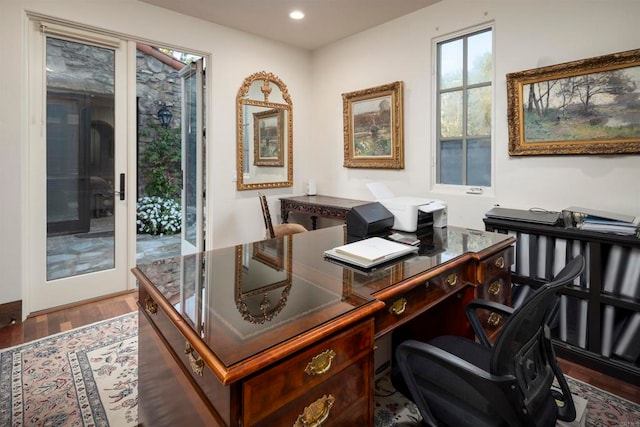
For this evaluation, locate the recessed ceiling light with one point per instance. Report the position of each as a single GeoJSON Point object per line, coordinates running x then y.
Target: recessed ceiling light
{"type": "Point", "coordinates": [296, 14]}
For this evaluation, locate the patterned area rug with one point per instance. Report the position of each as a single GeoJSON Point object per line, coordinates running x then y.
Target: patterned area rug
{"type": "Point", "coordinates": [603, 408]}
{"type": "Point", "coordinates": [84, 377]}
{"type": "Point", "coordinates": [89, 377]}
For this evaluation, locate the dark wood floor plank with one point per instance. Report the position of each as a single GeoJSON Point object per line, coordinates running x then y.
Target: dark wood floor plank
{"type": "Point", "coordinates": [6, 339]}
{"type": "Point", "coordinates": [54, 320]}
{"type": "Point", "coordinates": [45, 324]}
{"type": "Point", "coordinates": [601, 381]}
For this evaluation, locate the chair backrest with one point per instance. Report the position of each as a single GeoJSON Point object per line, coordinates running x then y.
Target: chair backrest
{"type": "Point", "coordinates": [523, 348]}
{"type": "Point", "coordinates": [266, 215]}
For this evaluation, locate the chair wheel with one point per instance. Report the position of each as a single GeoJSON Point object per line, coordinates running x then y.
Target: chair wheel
{"type": "Point", "coordinates": [559, 398]}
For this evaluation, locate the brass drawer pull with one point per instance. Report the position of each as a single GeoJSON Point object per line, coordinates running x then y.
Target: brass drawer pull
{"type": "Point", "coordinates": [150, 306]}
{"type": "Point", "coordinates": [321, 363]}
{"type": "Point", "coordinates": [316, 413]}
{"type": "Point", "coordinates": [493, 320]}
{"type": "Point", "coordinates": [398, 307]}
{"type": "Point", "coordinates": [451, 279]}
{"type": "Point", "coordinates": [495, 288]}
{"type": "Point", "coordinates": [197, 365]}
{"type": "Point", "coordinates": [500, 262]}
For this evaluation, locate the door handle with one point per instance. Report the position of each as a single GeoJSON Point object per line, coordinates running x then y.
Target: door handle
{"type": "Point", "coordinates": [122, 186]}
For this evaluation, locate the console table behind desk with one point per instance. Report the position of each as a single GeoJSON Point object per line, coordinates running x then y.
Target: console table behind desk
{"type": "Point", "coordinates": [220, 345]}
{"type": "Point", "coordinates": [315, 206]}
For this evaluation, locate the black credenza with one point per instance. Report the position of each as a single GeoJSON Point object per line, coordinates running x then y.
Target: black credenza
{"type": "Point", "coordinates": [598, 318]}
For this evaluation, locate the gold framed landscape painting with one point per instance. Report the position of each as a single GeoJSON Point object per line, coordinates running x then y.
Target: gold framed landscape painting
{"type": "Point", "coordinates": [373, 127]}
{"type": "Point", "coordinates": [590, 106]}
{"type": "Point", "coordinates": [268, 138]}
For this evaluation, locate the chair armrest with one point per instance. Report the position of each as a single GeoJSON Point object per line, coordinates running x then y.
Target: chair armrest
{"type": "Point", "coordinates": [472, 314]}
{"type": "Point", "coordinates": [482, 381]}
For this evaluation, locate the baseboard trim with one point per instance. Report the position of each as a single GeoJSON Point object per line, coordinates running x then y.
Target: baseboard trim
{"type": "Point", "coordinates": [79, 303]}
{"type": "Point", "coordinates": [10, 313]}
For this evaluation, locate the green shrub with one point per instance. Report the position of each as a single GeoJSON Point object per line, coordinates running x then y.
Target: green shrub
{"type": "Point", "coordinates": [161, 162]}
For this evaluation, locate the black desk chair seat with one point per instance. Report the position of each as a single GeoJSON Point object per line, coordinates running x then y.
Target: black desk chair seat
{"type": "Point", "coordinates": [456, 381]}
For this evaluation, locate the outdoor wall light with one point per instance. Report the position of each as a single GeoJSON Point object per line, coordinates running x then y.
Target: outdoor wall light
{"type": "Point", "coordinates": [164, 115]}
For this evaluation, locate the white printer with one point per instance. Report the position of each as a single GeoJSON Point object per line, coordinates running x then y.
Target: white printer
{"type": "Point", "coordinates": [411, 214]}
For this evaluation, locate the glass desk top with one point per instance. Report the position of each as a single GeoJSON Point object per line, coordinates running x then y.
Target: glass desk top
{"type": "Point", "coordinates": [244, 299]}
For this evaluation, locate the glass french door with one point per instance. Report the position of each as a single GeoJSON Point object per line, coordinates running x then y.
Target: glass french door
{"type": "Point", "coordinates": [192, 158]}
{"type": "Point", "coordinates": [77, 167]}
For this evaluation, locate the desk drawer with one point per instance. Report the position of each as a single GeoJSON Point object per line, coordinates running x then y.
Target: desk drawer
{"type": "Point", "coordinates": [403, 307]}
{"type": "Point", "coordinates": [343, 400]}
{"type": "Point", "coordinates": [496, 290]}
{"type": "Point", "coordinates": [191, 363]}
{"type": "Point", "coordinates": [497, 264]}
{"type": "Point", "coordinates": [288, 380]}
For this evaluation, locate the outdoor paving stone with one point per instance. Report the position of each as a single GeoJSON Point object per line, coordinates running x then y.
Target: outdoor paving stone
{"type": "Point", "coordinates": [69, 255]}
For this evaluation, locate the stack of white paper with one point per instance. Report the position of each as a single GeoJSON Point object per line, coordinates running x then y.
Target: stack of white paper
{"type": "Point", "coordinates": [370, 252]}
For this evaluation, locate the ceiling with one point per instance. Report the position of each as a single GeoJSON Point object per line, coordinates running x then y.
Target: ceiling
{"type": "Point", "coordinates": [325, 22]}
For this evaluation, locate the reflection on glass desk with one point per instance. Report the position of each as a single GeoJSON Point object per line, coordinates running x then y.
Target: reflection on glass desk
{"type": "Point", "coordinates": [272, 333]}
{"type": "Point", "coordinates": [242, 301]}
{"type": "Point", "coordinates": [253, 295]}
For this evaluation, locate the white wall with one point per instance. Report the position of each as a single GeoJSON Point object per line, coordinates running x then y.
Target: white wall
{"type": "Point", "coordinates": [233, 216]}
{"type": "Point", "coordinates": [527, 35]}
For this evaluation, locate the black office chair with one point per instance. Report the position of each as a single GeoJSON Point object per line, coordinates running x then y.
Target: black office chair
{"type": "Point", "coordinates": [456, 381]}
{"type": "Point", "coordinates": [278, 230]}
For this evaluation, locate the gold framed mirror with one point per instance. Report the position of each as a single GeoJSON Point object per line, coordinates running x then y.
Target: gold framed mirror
{"type": "Point", "coordinates": [264, 133]}
{"type": "Point", "coordinates": [263, 278]}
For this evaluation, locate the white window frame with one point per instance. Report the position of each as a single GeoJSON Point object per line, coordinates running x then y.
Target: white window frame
{"type": "Point", "coordinates": [453, 188]}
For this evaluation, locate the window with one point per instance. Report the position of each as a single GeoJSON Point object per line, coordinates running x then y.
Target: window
{"type": "Point", "coordinates": [464, 109]}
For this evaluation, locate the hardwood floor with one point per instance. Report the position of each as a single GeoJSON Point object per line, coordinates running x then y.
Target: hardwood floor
{"type": "Point", "coordinates": [44, 324]}
{"type": "Point", "coordinates": [621, 388]}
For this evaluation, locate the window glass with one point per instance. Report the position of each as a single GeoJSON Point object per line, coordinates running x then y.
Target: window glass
{"type": "Point", "coordinates": [464, 109]}
{"type": "Point", "coordinates": [451, 64]}
{"type": "Point", "coordinates": [450, 159]}
{"type": "Point", "coordinates": [479, 111]}
{"type": "Point", "coordinates": [479, 63]}
{"type": "Point", "coordinates": [451, 114]}
{"type": "Point", "coordinates": [479, 161]}
{"type": "Point", "coordinates": [80, 158]}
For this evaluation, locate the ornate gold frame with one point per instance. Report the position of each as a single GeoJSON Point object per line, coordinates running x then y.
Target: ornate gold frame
{"type": "Point", "coordinates": [242, 100]}
{"type": "Point", "coordinates": [260, 297]}
{"type": "Point", "coordinates": [374, 128]}
{"type": "Point", "coordinates": [563, 87]}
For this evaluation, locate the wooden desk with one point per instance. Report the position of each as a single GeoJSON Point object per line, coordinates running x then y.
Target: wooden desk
{"type": "Point", "coordinates": [270, 333]}
{"type": "Point", "coordinates": [324, 206]}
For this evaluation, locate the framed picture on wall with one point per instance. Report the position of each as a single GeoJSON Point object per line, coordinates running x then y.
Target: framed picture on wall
{"type": "Point", "coordinates": [590, 106]}
{"type": "Point", "coordinates": [268, 148]}
{"type": "Point", "coordinates": [373, 127]}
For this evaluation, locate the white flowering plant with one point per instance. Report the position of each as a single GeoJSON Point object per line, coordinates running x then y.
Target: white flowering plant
{"type": "Point", "coordinates": [158, 216]}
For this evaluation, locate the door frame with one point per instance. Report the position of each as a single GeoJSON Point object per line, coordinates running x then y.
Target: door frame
{"type": "Point", "coordinates": [35, 126]}
{"type": "Point", "coordinates": [39, 292]}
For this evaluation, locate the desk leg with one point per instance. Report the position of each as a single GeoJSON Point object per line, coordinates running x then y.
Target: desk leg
{"type": "Point", "coordinates": [314, 222]}
{"type": "Point", "coordinates": [284, 213]}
